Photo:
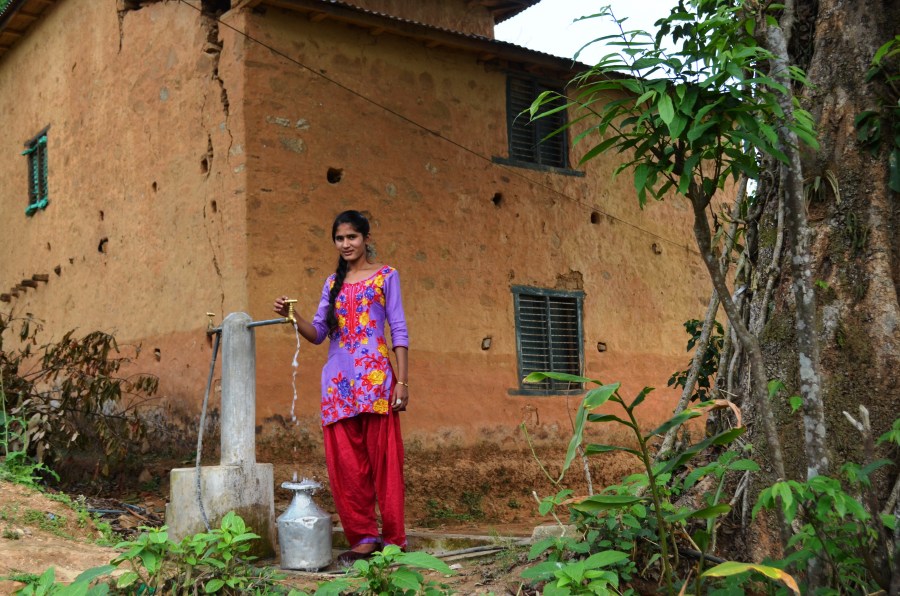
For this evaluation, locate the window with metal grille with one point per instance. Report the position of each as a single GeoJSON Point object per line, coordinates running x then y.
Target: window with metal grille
{"type": "Point", "coordinates": [36, 151]}
{"type": "Point", "coordinates": [526, 138]}
{"type": "Point", "coordinates": [548, 337]}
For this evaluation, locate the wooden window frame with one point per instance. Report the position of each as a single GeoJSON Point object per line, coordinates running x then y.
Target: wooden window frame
{"type": "Point", "coordinates": [527, 296]}
{"type": "Point", "coordinates": [525, 139]}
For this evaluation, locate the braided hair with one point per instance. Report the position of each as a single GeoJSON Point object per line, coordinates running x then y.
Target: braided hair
{"type": "Point", "coordinates": [360, 224]}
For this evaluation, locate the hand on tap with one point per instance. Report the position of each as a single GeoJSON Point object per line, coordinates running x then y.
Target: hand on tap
{"type": "Point", "coordinates": [281, 306]}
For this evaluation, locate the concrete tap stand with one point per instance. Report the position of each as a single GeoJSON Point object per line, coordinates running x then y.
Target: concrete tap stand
{"type": "Point", "coordinates": [238, 483]}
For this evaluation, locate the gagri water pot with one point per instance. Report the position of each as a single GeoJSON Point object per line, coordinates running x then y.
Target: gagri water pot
{"type": "Point", "coordinates": [304, 530]}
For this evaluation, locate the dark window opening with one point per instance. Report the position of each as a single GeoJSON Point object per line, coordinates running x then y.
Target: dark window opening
{"type": "Point", "coordinates": [548, 337]}
{"type": "Point", "coordinates": [36, 151]}
{"type": "Point", "coordinates": [527, 142]}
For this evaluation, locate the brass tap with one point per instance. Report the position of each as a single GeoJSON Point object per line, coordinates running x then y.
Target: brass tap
{"type": "Point", "coordinates": [209, 322]}
{"type": "Point", "coordinates": [290, 316]}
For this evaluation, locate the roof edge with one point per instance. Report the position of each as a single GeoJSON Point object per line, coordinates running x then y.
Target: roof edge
{"type": "Point", "coordinates": [432, 36]}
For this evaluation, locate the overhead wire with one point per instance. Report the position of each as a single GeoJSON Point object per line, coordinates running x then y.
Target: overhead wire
{"type": "Point", "coordinates": [510, 169]}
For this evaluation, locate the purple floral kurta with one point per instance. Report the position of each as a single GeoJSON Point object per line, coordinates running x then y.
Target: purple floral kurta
{"type": "Point", "coordinates": [358, 377]}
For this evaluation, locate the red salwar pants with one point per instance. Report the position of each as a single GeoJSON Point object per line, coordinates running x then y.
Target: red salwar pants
{"type": "Point", "coordinates": [365, 461]}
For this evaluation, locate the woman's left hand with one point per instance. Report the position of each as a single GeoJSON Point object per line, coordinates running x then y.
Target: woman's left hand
{"type": "Point", "coordinates": [400, 398]}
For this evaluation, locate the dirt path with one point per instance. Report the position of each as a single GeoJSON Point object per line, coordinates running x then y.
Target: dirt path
{"type": "Point", "coordinates": [37, 532]}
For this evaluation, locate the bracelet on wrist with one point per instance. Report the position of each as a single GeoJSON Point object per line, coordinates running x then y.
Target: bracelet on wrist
{"type": "Point", "coordinates": [399, 382]}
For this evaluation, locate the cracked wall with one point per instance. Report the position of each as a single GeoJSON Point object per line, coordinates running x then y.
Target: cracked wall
{"type": "Point", "coordinates": [213, 169]}
{"type": "Point", "coordinates": [144, 231]}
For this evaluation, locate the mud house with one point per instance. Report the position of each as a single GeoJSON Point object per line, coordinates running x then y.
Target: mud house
{"type": "Point", "coordinates": [162, 159]}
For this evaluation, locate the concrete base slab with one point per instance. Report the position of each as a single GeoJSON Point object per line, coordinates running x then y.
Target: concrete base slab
{"type": "Point", "coordinates": [248, 490]}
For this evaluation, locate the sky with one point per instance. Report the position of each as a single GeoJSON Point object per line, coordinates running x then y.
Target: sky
{"type": "Point", "coordinates": [548, 26]}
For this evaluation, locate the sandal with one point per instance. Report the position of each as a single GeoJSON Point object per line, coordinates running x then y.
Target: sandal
{"type": "Point", "coordinates": [347, 558]}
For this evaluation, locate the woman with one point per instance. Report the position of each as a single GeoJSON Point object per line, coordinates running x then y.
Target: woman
{"type": "Point", "coordinates": [361, 393]}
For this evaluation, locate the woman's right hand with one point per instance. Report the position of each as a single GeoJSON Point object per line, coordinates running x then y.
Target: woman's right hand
{"type": "Point", "coordinates": [280, 307]}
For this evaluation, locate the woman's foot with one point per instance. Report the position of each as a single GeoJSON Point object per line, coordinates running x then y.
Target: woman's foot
{"type": "Point", "coordinates": [363, 550]}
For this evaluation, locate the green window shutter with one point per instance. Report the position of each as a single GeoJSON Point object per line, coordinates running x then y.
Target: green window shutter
{"type": "Point", "coordinates": [38, 173]}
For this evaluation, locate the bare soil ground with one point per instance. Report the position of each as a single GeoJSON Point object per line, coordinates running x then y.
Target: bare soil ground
{"type": "Point", "coordinates": [461, 491]}
{"type": "Point", "coordinates": [37, 532]}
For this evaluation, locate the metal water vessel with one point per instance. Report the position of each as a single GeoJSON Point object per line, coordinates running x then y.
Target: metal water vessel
{"type": "Point", "coordinates": [304, 530]}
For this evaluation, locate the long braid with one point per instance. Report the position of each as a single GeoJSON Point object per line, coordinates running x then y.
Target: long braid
{"type": "Point", "coordinates": [339, 274]}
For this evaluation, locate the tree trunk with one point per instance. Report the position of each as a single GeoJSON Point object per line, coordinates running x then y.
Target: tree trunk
{"type": "Point", "coordinates": [855, 244]}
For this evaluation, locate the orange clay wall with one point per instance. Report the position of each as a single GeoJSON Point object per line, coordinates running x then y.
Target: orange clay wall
{"type": "Point", "coordinates": [410, 133]}
{"type": "Point", "coordinates": [145, 230]}
{"type": "Point", "coordinates": [186, 178]}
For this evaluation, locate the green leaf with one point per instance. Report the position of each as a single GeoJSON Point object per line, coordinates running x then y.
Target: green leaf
{"type": "Point", "coordinates": [598, 149]}
{"type": "Point", "coordinates": [744, 465]}
{"type": "Point", "coordinates": [783, 490]}
{"type": "Point", "coordinates": [640, 176]}
{"type": "Point", "coordinates": [676, 126]}
{"type": "Point", "coordinates": [126, 579]}
{"type": "Point", "coordinates": [796, 403]}
{"type": "Point", "coordinates": [540, 546]}
{"type": "Point", "coordinates": [599, 395]}
{"type": "Point", "coordinates": [213, 585]}
{"type": "Point", "coordinates": [93, 573]}
{"type": "Point", "coordinates": [149, 559]}
{"type": "Point", "coordinates": [889, 521]}
{"type": "Point", "coordinates": [404, 579]}
{"type": "Point", "coordinates": [712, 511]}
{"type": "Point", "coordinates": [640, 397]}
{"type": "Point", "coordinates": [883, 50]}
{"type": "Point", "coordinates": [666, 110]}
{"type": "Point", "coordinates": [595, 448]}
{"type": "Point", "coordinates": [596, 503]}
{"type": "Point", "coordinates": [335, 587]}
{"type": "Point", "coordinates": [542, 571]}
{"type": "Point", "coordinates": [729, 568]}
{"type": "Point", "coordinates": [604, 559]}
{"type": "Point", "coordinates": [697, 131]}
{"type": "Point", "coordinates": [775, 385]}
{"type": "Point", "coordinates": [673, 422]}
{"type": "Point", "coordinates": [608, 418]}
{"type": "Point", "coordinates": [424, 561]}
{"type": "Point", "coordinates": [537, 377]}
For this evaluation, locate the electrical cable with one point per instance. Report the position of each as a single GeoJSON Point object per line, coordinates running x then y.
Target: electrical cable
{"type": "Point", "coordinates": [512, 170]}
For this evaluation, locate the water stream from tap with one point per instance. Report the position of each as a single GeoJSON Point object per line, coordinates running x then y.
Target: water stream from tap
{"type": "Point", "coordinates": [295, 364]}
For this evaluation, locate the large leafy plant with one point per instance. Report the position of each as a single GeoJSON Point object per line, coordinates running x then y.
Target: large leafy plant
{"type": "Point", "coordinates": [642, 504]}
{"type": "Point", "coordinates": [68, 393]}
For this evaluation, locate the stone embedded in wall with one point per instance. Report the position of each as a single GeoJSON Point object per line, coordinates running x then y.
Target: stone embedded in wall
{"type": "Point", "coordinates": [573, 280]}
{"type": "Point", "coordinates": [285, 122]}
{"type": "Point", "coordinates": [295, 145]}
